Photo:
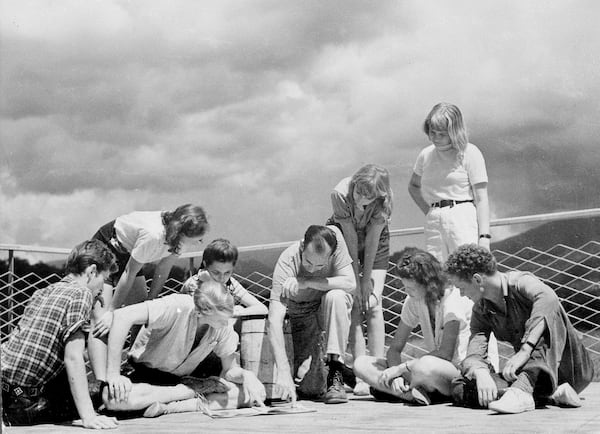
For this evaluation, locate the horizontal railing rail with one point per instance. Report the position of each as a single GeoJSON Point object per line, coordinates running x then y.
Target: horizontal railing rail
{"type": "Point", "coordinates": [506, 221]}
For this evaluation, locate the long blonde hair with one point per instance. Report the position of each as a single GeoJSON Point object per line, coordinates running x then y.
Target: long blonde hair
{"type": "Point", "coordinates": [373, 180]}
{"type": "Point", "coordinates": [447, 117]}
{"type": "Point", "coordinates": [209, 297]}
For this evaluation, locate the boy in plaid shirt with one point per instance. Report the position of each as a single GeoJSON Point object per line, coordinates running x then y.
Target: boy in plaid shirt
{"type": "Point", "coordinates": [43, 368]}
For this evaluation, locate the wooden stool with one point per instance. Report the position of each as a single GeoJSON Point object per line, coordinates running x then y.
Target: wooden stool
{"type": "Point", "coordinates": [256, 354]}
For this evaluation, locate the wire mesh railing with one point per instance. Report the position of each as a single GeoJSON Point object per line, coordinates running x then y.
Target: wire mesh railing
{"type": "Point", "coordinates": [572, 271]}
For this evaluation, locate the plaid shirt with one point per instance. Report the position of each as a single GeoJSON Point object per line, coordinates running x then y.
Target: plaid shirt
{"type": "Point", "coordinates": [34, 352]}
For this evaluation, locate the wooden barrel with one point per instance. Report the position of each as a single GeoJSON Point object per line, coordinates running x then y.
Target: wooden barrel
{"type": "Point", "coordinates": [256, 354]}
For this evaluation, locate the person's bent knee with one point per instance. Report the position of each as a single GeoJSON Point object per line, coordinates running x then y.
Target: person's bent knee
{"type": "Point", "coordinates": [375, 310]}
{"type": "Point", "coordinates": [427, 369]}
{"type": "Point", "coordinates": [336, 296]}
{"type": "Point", "coordinates": [362, 364]}
{"type": "Point", "coordinates": [425, 365]}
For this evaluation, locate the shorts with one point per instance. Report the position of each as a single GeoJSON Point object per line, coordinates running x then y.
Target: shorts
{"type": "Point", "coordinates": [107, 235]}
{"type": "Point", "coordinates": [53, 405]}
{"type": "Point", "coordinates": [382, 254]}
{"type": "Point", "coordinates": [140, 373]}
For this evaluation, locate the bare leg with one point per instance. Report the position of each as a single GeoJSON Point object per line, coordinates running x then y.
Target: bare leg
{"type": "Point", "coordinates": [369, 368]}
{"type": "Point", "coordinates": [97, 346]}
{"type": "Point", "coordinates": [234, 398]}
{"type": "Point", "coordinates": [214, 401]}
{"type": "Point", "coordinates": [375, 324]}
{"type": "Point", "coordinates": [143, 394]}
{"type": "Point", "coordinates": [356, 337]}
{"type": "Point", "coordinates": [433, 374]}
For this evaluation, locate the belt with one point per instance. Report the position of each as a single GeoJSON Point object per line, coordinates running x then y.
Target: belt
{"type": "Point", "coordinates": [445, 202]}
{"type": "Point", "coordinates": [17, 391]}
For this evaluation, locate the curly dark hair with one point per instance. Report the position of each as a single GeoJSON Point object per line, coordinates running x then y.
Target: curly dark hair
{"type": "Point", "coordinates": [469, 259]}
{"type": "Point", "coordinates": [425, 269]}
{"type": "Point", "coordinates": [187, 220]}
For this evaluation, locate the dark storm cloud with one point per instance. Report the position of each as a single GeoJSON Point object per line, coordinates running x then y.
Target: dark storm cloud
{"type": "Point", "coordinates": [257, 109]}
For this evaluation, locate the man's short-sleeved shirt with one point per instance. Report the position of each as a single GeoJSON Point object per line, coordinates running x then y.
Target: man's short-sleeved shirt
{"type": "Point", "coordinates": [443, 176]}
{"type": "Point", "coordinates": [452, 307]}
{"type": "Point", "coordinates": [290, 265]}
{"type": "Point", "coordinates": [166, 342]}
{"type": "Point", "coordinates": [34, 353]}
{"type": "Point", "coordinates": [142, 233]}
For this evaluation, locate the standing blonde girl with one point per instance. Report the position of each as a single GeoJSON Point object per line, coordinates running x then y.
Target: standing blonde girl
{"type": "Point", "coordinates": [449, 185]}
{"type": "Point", "coordinates": [362, 207]}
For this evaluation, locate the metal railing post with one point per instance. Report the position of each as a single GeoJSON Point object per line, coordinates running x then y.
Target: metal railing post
{"type": "Point", "coordinates": [191, 272]}
{"type": "Point", "coordinates": [11, 274]}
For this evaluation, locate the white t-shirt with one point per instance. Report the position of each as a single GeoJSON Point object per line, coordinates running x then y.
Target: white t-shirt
{"type": "Point", "coordinates": [166, 342]}
{"type": "Point", "coordinates": [452, 307]}
{"type": "Point", "coordinates": [142, 233]}
{"type": "Point", "coordinates": [444, 177]}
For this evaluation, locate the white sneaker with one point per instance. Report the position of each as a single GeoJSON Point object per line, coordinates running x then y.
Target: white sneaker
{"type": "Point", "coordinates": [565, 396]}
{"type": "Point", "coordinates": [513, 401]}
{"type": "Point", "coordinates": [199, 404]}
{"type": "Point", "coordinates": [361, 388]}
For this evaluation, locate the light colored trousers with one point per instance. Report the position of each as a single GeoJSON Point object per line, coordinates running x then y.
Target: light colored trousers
{"type": "Point", "coordinates": [449, 227]}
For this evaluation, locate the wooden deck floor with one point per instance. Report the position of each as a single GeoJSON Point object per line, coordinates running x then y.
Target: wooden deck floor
{"type": "Point", "coordinates": [365, 415]}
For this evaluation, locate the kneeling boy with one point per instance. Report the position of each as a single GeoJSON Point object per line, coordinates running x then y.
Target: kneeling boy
{"type": "Point", "coordinates": [44, 377]}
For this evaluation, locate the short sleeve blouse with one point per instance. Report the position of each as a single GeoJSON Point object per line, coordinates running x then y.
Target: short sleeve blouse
{"type": "Point", "coordinates": [443, 176]}
{"type": "Point", "coordinates": [343, 208]}
{"type": "Point", "coordinates": [452, 307]}
{"type": "Point", "coordinates": [142, 233]}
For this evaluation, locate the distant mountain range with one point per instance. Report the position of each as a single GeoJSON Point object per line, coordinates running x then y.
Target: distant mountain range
{"type": "Point", "coordinates": [573, 232]}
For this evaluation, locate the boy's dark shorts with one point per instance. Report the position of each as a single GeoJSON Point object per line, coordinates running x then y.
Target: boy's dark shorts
{"type": "Point", "coordinates": [139, 373]}
{"type": "Point", "coordinates": [53, 404]}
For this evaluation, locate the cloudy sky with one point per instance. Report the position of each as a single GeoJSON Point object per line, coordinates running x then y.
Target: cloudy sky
{"type": "Point", "coordinates": [256, 109]}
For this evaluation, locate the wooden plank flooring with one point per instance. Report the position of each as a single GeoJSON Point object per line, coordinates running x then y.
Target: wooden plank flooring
{"type": "Point", "coordinates": [364, 415]}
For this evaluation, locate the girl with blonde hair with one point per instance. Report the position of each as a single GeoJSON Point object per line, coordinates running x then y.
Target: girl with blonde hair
{"type": "Point", "coordinates": [362, 206]}
{"type": "Point", "coordinates": [449, 184]}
